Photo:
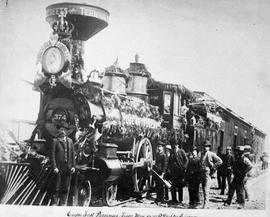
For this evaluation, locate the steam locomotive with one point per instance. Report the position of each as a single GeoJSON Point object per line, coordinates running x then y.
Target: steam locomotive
{"type": "Point", "coordinates": [114, 119]}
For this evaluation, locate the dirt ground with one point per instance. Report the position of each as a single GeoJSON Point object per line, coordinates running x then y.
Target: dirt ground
{"type": "Point", "coordinates": [256, 187]}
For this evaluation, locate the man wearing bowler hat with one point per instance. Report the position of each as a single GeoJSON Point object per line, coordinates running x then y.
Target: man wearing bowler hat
{"type": "Point", "coordinates": [63, 164]}
{"type": "Point", "coordinates": [210, 161]}
{"type": "Point", "coordinates": [241, 167]}
{"type": "Point", "coordinates": [177, 167]}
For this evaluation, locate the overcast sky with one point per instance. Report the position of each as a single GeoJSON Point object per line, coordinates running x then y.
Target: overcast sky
{"type": "Point", "coordinates": [217, 46]}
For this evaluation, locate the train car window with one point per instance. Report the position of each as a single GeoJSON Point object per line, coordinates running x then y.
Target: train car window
{"type": "Point", "coordinates": [175, 104]}
{"type": "Point", "coordinates": [235, 130]}
{"type": "Point", "coordinates": [167, 103]}
{"type": "Point", "coordinates": [245, 137]}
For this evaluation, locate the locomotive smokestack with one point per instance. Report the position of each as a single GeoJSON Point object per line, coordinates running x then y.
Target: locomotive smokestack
{"type": "Point", "coordinates": [73, 24]}
{"type": "Point", "coordinates": [82, 20]}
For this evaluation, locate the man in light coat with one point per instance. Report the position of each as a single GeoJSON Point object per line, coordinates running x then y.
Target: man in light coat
{"type": "Point", "coordinates": [210, 162]}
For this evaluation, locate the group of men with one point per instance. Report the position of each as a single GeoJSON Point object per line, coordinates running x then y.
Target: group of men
{"type": "Point", "coordinates": [173, 164]}
{"type": "Point", "coordinates": [199, 168]}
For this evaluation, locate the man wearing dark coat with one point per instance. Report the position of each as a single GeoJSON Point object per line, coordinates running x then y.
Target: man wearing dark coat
{"type": "Point", "coordinates": [193, 178]}
{"type": "Point", "coordinates": [161, 167]}
{"type": "Point", "coordinates": [226, 167]}
{"type": "Point", "coordinates": [177, 166]}
{"type": "Point", "coordinates": [241, 167]}
{"type": "Point", "coordinates": [63, 165]}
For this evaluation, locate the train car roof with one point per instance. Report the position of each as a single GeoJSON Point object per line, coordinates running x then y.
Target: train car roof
{"type": "Point", "coordinates": [206, 98]}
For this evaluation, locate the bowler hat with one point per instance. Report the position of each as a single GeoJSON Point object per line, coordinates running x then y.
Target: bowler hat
{"type": "Point", "coordinates": [186, 136]}
{"type": "Point", "coordinates": [168, 147]}
{"type": "Point", "coordinates": [240, 148]}
{"type": "Point", "coordinates": [207, 144]}
{"type": "Point", "coordinates": [160, 143]}
{"type": "Point", "coordinates": [62, 124]}
{"type": "Point", "coordinates": [247, 147]}
{"type": "Point", "coordinates": [195, 148]}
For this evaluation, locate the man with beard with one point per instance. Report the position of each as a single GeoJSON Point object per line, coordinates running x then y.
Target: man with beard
{"type": "Point", "coordinates": [63, 164]}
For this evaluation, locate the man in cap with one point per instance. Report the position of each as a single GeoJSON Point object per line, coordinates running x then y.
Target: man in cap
{"type": "Point", "coordinates": [241, 167]}
{"type": "Point", "coordinates": [228, 161]}
{"type": "Point", "coordinates": [63, 164]}
{"type": "Point", "coordinates": [161, 168]}
{"type": "Point", "coordinates": [177, 165]}
{"type": "Point", "coordinates": [210, 162]}
{"type": "Point", "coordinates": [168, 150]}
{"type": "Point", "coordinates": [193, 178]}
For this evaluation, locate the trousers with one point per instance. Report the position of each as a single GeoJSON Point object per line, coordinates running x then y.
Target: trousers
{"type": "Point", "coordinates": [219, 179]}
{"type": "Point", "coordinates": [177, 186]}
{"type": "Point", "coordinates": [62, 182]}
{"type": "Point", "coordinates": [226, 176]}
{"type": "Point", "coordinates": [159, 190]}
{"type": "Point", "coordinates": [237, 187]}
{"type": "Point", "coordinates": [193, 191]}
{"type": "Point", "coordinates": [206, 184]}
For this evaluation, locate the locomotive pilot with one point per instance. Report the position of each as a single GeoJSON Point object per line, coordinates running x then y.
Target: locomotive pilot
{"type": "Point", "coordinates": [63, 164]}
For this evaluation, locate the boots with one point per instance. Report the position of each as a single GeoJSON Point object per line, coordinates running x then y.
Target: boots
{"type": "Point", "coordinates": [64, 199]}
{"type": "Point", "coordinates": [55, 200]}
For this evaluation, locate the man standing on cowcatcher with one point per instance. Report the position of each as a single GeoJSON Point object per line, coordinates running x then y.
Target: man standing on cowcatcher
{"type": "Point", "coordinates": [178, 162]}
{"type": "Point", "coordinates": [63, 165]}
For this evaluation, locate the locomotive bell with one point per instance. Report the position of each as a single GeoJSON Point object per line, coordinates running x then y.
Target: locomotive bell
{"type": "Point", "coordinates": [137, 83]}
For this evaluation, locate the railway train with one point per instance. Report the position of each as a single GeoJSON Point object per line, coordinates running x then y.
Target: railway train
{"type": "Point", "coordinates": [115, 119]}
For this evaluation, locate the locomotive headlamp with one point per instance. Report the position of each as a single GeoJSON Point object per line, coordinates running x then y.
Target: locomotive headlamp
{"type": "Point", "coordinates": [53, 60]}
{"type": "Point", "coordinates": [53, 57]}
